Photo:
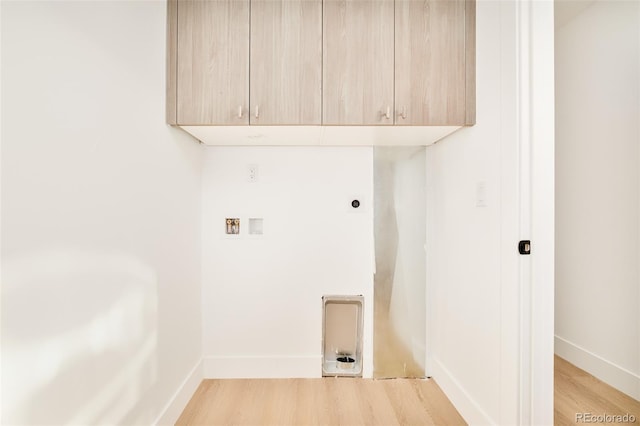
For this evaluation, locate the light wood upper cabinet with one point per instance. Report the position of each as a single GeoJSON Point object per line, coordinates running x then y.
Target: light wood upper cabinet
{"type": "Point", "coordinates": [358, 62]}
{"type": "Point", "coordinates": [430, 71]}
{"type": "Point", "coordinates": [213, 62]}
{"type": "Point", "coordinates": [321, 62]}
{"type": "Point", "coordinates": [286, 62]}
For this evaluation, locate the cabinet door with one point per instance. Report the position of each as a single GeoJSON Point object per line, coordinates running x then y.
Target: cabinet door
{"type": "Point", "coordinates": [358, 62]}
{"type": "Point", "coordinates": [286, 62]}
{"type": "Point", "coordinates": [213, 62]}
{"type": "Point", "coordinates": [430, 62]}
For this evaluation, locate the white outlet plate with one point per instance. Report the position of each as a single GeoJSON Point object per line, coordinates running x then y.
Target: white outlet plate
{"type": "Point", "coordinates": [256, 226]}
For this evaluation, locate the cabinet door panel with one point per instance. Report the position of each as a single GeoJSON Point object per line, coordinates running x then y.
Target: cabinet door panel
{"type": "Point", "coordinates": [358, 62]}
{"type": "Point", "coordinates": [213, 62]}
{"type": "Point", "coordinates": [286, 62]}
{"type": "Point", "coordinates": [430, 62]}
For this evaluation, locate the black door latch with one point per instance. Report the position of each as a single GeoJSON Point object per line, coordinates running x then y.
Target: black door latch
{"type": "Point", "coordinates": [524, 247]}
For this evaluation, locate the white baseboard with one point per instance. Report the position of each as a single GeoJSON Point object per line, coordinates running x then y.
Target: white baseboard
{"type": "Point", "coordinates": [181, 397]}
{"type": "Point", "coordinates": [468, 408]}
{"type": "Point", "coordinates": [610, 373]}
{"type": "Point", "coordinates": [274, 367]}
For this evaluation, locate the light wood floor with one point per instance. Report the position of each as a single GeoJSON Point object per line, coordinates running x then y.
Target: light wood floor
{"type": "Point", "coordinates": [328, 401]}
{"type": "Point", "coordinates": [347, 401]}
{"type": "Point", "coordinates": [577, 391]}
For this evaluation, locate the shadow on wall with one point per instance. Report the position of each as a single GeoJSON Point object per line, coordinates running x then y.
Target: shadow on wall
{"type": "Point", "coordinates": [79, 337]}
{"type": "Point", "coordinates": [399, 282]}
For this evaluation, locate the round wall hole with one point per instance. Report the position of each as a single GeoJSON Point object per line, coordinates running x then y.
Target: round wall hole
{"type": "Point", "coordinates": [355, 204]}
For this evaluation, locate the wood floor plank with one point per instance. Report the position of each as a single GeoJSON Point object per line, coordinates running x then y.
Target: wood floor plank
{"type": "Point", "coordinates": [312, 406]}
{"type": "Point", "coordinates": [345, 401]}
{"type": "Point", "coordinates": [327, 401]}
{"type": "Point", "coordinates": [375, 405]}
{"type": "Point", "coordinates": [576, 391]}
{"type": "Point", "coordinates": [348, 401]}
{"type": "Point", "coordinates": [408, 406]}
{"type": "Point", "coordinates": [445, 413]}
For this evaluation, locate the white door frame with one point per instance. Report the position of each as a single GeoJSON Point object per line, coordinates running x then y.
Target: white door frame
{"type": "Point", "coordinates": [535, 29]}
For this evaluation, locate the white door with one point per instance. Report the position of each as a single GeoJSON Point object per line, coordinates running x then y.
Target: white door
{"type": "Point", "coordinates": [489, 308]}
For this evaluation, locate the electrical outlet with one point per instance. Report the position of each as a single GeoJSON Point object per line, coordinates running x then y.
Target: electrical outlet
{"type": "Point", "coordinates": [252, 172]}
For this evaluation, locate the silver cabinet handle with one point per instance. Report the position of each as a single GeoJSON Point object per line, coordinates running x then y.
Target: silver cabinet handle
{"type": "Point", "coordinates": [387, 114]}
{"type": "Point", "coordinates": [240, 111]}
{"type": "Point", "coordinates": [257, 111]}
{"type": "Point", "coordinates": [403, 114]}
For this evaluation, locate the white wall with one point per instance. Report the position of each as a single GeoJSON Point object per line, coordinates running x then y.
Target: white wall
{"type": "Point", "coordinates": [100, 218]}
{"type": "Point", "coordinates": [473, 303]}
{"type": "Point", "coordinates": [262, 311]}
{"type": "Point", "coordinates": [598, 192]}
